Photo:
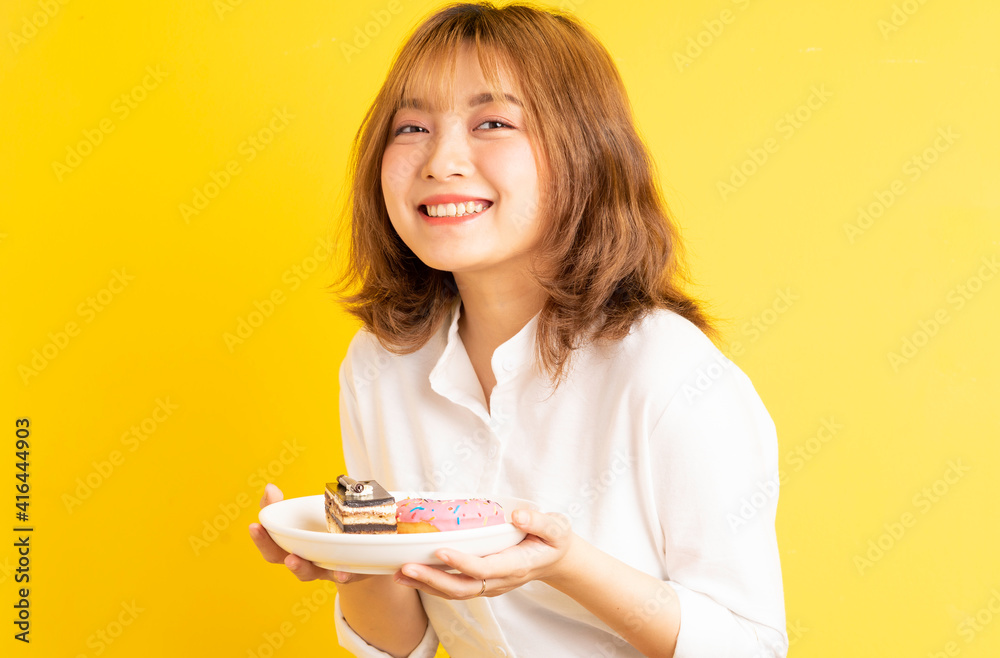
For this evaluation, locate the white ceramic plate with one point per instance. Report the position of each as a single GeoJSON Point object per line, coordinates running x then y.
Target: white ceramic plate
{"type": "Point", "coordinates": [298, 525]}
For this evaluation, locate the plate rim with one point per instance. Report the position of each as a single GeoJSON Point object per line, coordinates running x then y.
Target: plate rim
{"type": "Point", "coordinates": [399, 539]}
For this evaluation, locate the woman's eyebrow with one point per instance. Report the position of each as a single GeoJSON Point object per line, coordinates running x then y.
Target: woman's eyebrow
{"type": "Point", "coordinates": [487, 97]}
{"type": "Point", "coordinates": [474, 101]}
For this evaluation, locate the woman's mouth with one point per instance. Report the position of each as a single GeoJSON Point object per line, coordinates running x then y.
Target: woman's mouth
{"type": "Point", "coordinates": [454, 210]}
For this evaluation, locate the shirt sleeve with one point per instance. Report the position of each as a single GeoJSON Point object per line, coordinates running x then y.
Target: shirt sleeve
{"type": "Point", "coordinates": [357, 463]}
{"type": "Point", "coordinates": [714, 458]}
{"type": "Point", "coordinates": [354, 643]}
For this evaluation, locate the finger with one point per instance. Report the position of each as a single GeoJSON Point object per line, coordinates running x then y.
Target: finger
{"type": "Point", "coordinates": [423, 587]}
{"type": "Point", "coordinates": [270, 550]}
{"type": "Point", "coordinates": [440, 583]}
{"type": "Point", "coordinates": [470, 565]}
{"type": "Point", "coordinates": [305, 570]}
{"type": "Point", "coordinates": [345, 577]}
{"type": "Point", "coordinates": [272, 494]}
{"type": "Point", "coordinates": [552, 528]}
{"type": "Point", "coordinates": [512, 565]}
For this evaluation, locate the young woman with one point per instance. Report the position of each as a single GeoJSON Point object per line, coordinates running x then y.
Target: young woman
{"type": "Point", "coordinates": [525, 334]}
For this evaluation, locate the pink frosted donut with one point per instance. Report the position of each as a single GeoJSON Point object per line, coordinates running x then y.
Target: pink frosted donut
{"type": "Point", "coordinates": [427, 515]}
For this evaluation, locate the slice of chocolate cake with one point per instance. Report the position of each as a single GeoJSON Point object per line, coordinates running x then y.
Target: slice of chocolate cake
{"type": "Point", "coordinates": [359, 508]}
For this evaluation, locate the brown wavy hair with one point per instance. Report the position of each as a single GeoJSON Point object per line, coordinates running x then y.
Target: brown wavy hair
{"type": "Point", "coordinates": [611, 250]}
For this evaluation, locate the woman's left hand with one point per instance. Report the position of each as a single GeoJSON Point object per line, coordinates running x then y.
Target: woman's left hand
{"type": "Point", "coordinates": [539, 556]}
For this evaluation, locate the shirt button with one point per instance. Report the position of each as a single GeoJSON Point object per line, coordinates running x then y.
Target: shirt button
{"type": "Point", "coordinates": [499, 651]}
{"type": "Point", "coordinates": [508, 364]}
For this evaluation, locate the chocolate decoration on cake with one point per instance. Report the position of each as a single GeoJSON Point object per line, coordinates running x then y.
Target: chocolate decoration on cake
{"type": "Point", "coordinates": [354, 507]}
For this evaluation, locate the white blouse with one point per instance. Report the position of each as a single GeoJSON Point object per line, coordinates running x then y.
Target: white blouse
{"type": "Point", "coordinates": [657, 448]}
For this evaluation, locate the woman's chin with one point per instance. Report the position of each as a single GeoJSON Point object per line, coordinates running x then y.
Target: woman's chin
{"type": "Point", "coordinates": [449, 262]}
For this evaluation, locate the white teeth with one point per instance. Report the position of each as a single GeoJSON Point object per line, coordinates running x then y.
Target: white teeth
{"type": "Point", "coordinates": [454, 210]}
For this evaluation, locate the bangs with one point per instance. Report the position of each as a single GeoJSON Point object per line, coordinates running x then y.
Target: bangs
{"type": "Point", "coordinates": [425, 69]}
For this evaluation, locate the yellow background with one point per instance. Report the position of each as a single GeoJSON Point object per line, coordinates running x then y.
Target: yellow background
{"type": "Point", "coordinates": [813, 309]}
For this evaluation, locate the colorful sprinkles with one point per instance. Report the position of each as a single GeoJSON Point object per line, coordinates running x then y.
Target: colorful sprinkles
{"type": "Point", "coordinates": [448, 514]}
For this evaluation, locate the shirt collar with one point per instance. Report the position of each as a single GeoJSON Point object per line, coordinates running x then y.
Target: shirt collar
{"type": "Point", "coordinates": [453, 375]}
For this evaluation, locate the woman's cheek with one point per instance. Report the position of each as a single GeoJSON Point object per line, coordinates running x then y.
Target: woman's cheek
{"type": "Point", "coordinates": [397, 171]}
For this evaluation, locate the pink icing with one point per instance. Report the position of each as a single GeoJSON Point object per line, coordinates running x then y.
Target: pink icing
{"type": "Point", "coordinates": [458, 514]}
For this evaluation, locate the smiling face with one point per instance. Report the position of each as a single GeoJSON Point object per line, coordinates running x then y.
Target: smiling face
{"type": "Point", "coordinates": [459, 177]}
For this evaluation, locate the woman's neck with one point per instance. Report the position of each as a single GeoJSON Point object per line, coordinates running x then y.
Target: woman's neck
{"type": "Point", "coordinates": [495, 309]}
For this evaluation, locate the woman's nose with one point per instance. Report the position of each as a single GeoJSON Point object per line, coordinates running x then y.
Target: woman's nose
{"type": "Point", "coordinates": [448, 155]}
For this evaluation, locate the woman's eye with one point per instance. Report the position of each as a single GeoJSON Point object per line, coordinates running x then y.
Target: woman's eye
{"type": "Point", "coordinates": [492, 125]}
{"type": "Point", "coordinates": [408, 128]}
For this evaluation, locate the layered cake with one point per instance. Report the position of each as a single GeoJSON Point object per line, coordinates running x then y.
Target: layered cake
{"type": "Point", "coordinates": [359, 508]}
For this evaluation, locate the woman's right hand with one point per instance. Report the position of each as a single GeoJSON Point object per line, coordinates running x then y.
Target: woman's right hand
{"type": "Point", "coordinates": [397, 632]}
{"type": "Point", "coordinates": [303, 569]}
